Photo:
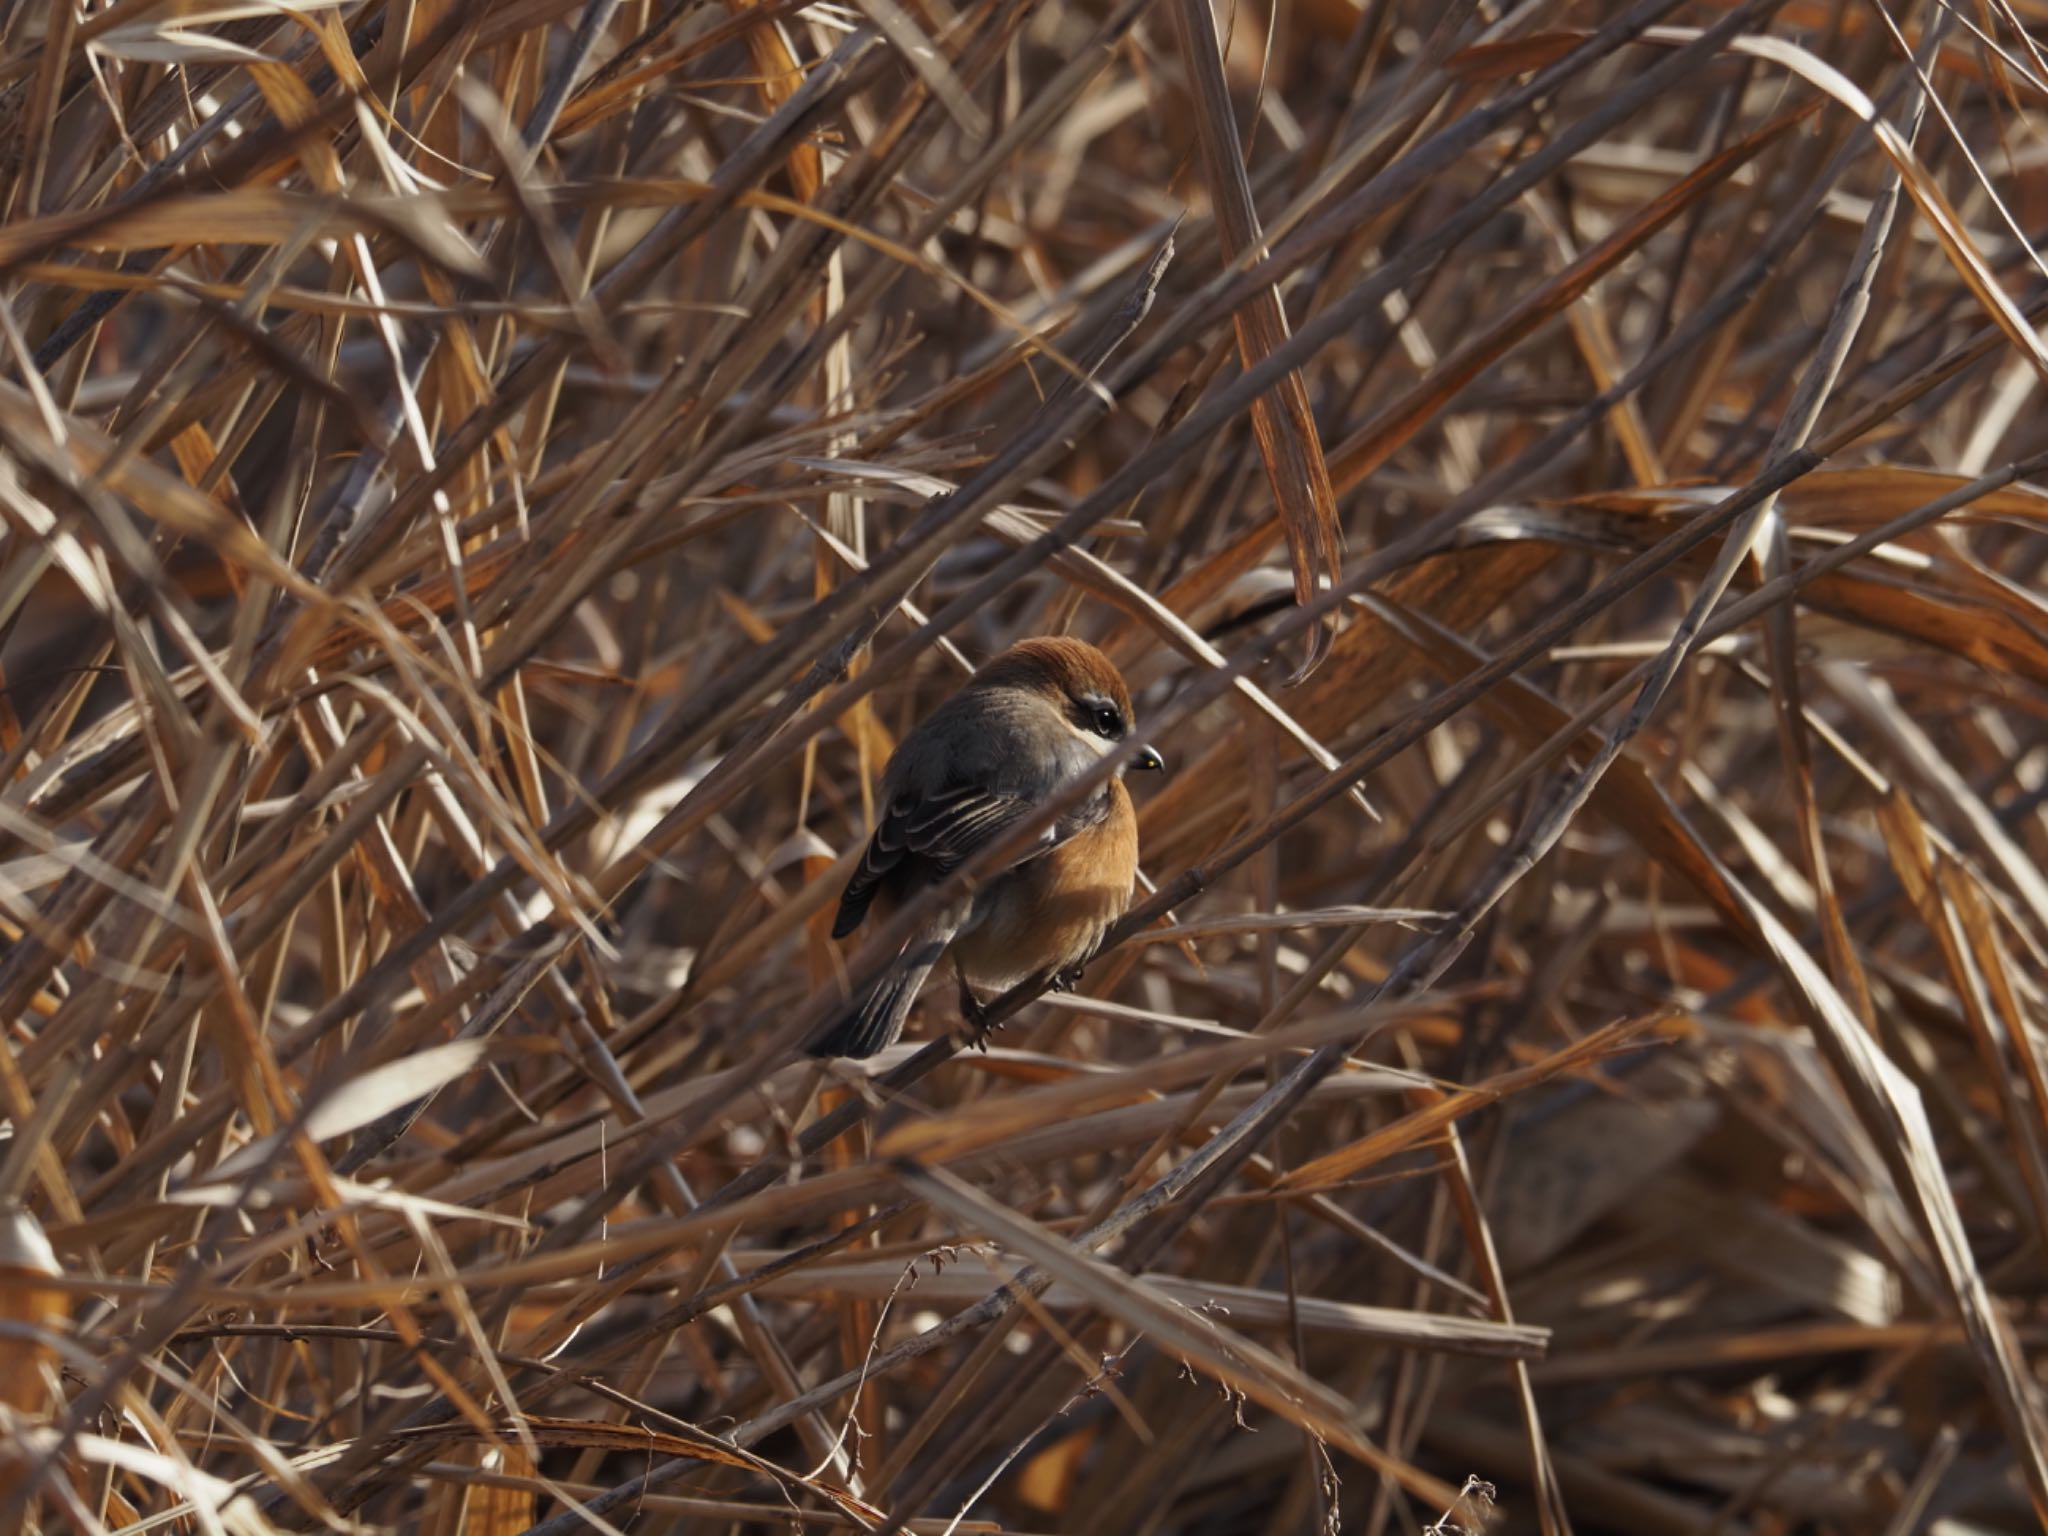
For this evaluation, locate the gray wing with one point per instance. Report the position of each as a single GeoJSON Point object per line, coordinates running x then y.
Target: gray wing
{"type": "Point", "coordinates": [942, 832]}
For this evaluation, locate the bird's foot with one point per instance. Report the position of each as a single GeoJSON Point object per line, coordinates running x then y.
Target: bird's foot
{"type": "Point", "coordinates": [979, 1025]}
{"type": "Point", "coordinates": [1068, 979]}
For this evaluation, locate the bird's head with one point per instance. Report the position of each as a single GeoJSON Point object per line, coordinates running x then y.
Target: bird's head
{"type": "Point", "coordinates": [1082, 686]}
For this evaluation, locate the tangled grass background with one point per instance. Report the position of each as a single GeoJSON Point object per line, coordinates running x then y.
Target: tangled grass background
{"type": "Point", "coordinates": [482, 489]}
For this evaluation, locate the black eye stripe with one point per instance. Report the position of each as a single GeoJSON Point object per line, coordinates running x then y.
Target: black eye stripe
{"type": "Point", "coordinates": [1099, 717]}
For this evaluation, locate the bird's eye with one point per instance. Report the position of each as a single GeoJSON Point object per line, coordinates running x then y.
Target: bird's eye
{"type": "Point", "coordinates": [1108, 722]}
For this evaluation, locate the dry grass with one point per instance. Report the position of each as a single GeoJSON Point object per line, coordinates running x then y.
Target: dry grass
{"type": "Point", "coordinates": [484, 487]}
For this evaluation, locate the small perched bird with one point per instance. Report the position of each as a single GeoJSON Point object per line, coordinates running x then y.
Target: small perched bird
{"type": "Point", "coordinates": [1027, 725]}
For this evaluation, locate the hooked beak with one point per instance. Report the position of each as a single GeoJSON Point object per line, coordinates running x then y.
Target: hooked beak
{"type": "Point", "coordinates": [1145, 757]}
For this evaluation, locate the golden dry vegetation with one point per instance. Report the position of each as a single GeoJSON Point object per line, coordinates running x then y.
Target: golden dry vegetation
{"type": "Point", "coordinates": [484, 486]}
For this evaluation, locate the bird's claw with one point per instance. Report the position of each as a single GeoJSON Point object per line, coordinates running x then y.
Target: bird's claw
{"type": "Point", "coordinates": [1066, 980]}
{"type": "Point", "coordinates": [979, 1025]}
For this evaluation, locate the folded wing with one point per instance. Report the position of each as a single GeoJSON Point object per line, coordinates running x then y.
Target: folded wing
{"type": "Point", "coordinates": [941, 832]}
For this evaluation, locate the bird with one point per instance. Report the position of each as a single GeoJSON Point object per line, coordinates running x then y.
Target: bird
{"type": "Point", "coordinates": [1024, 727]}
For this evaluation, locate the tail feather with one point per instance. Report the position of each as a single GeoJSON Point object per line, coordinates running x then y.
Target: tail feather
{"type": "Point", "coordinates": [876, 1019]}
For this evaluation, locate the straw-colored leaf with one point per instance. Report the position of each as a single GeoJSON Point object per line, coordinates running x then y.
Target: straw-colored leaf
{"type": "Point", "coordinates": [355, 1103]}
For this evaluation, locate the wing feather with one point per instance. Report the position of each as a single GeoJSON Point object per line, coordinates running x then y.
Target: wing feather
{"type": "Point", "coordinates": [943, 831]}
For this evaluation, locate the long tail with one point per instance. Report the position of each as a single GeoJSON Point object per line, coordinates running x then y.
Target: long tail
{"type": "Point", "coordinates": [876, 1018]}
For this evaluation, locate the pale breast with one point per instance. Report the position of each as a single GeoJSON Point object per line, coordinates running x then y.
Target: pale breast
{"type": "Point", "coordinates": [1051, 913]}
